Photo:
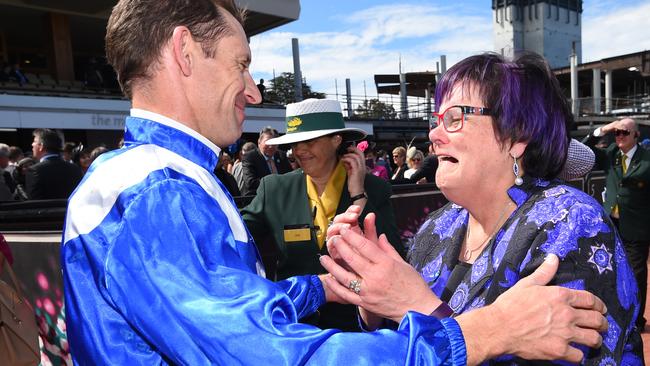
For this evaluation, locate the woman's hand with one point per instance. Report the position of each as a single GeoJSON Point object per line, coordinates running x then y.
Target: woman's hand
{"type": "Point", "coordinates": [389, 286]}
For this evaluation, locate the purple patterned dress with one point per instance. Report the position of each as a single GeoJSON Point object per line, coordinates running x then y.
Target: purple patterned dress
{"type": "Point", "coordinates": [550, 218]}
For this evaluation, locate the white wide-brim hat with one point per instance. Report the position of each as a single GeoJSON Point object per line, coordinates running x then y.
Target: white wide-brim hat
{"type": "Point", "coordinates": [313, 118]}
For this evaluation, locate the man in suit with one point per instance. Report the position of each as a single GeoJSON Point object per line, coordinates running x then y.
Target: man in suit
{"type": "Point", "coordinates": [267, 159]}
{"type": "Point", "coordinates": [627, 200]}
{"type": "Point", "coordinates": [51, 177]}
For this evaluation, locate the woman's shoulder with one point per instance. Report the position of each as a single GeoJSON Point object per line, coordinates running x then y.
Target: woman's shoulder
{"type": "Point", "coordinates": [563, 194]}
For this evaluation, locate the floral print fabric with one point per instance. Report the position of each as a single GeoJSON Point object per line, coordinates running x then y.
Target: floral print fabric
{"type": "Point", "coordinates": [550, 218]}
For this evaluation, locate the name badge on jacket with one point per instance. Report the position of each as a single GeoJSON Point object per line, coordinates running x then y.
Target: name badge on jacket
{"type": "Point", "coordinates": [293, 233]}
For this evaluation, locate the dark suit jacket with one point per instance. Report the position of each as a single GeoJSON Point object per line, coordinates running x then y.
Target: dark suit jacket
{"type": "Point", "coordinates": [254, 168]}
{"type": "Point", "coordinates": [631, 191]}
{"type": "Point", "coordinates": [399, 175]}
{"type": "Point", "coordinates": [52, 178]}
{"type": "Point", "coordinates": [281, 202]}
{"type": "Point", "coordinates": [228, 181]}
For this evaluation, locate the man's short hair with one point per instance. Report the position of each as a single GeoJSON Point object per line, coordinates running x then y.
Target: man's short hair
{"type": "Point", "coordinates": [69, 147]}
{"type": "Point", "coordinates": [4, 151]}
{"type": "Point", "coordinates": [15, 153]}
{"type": "Point", "coordinates": [270, 131]}
{"type": "Point", "coordinates": [51, 140]}
{"type": "Point", "coordinates": [248, 147]}
{"type": "Point", "coordinates": [138, 29]}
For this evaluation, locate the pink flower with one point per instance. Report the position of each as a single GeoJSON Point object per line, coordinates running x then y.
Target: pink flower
{"type": "Point", "coordinates": [363, 145]}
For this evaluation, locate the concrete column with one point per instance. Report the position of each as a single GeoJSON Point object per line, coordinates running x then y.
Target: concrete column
{"type": "Point", "coordinates": [61, 46]}
{"type": "Point", "coordinates": [596, 90]}
{"type": "Point", "coordinates": [297, 74]}
{"type": "Point", "coordinates": [575, 108]}
{"type": "Point", "coordinates": [404, 110]}
{"type": "Point", "coordinates": [608, 91]}
{"type": "Point", "coordinates": [427, 96]}
{"type": "Point", "coordinates": [443, 64]}
{"type": "Point", "coordinates": [348, 97]}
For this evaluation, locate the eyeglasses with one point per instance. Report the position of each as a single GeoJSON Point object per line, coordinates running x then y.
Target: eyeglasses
{"type": "Point", "coordinates": [416, 159]}
{"type": "Point", "coordinates": [618, 132]}
{"type": "Point", "coordinates": [453, 117]}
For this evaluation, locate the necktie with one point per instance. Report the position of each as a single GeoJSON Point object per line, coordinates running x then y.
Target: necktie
{"type": "Point", "coordinates": [615, 212]}
{"type": "Point", "coordinates": [272, 167]}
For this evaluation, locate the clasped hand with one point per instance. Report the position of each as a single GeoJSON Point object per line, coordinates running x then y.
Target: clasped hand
{"type": "Point", "coordinates": [389, 286]}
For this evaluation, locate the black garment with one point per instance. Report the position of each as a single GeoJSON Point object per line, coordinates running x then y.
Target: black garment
{"type": "Point", "coordinates": [52, 178]}
{"type": "Point", "coordinates": [398, 175]}
{"type": "Point", "coordinates": [228, 181]}
{"type": "Point", "coordinates": [427, 170]}
{"type": "Point", "coordinates": [637, 255]}
{"type": "Point", "coordinates": [255, 167]}
{"type": "Point", "coordinates": [9, 181]}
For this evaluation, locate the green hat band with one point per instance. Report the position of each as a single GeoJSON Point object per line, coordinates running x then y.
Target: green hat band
{"type": "Point", "coordinates": [315, 122]}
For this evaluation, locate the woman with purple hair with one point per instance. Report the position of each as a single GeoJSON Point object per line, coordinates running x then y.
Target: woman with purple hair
{"type": "Point", "coordinates": [500, 135]}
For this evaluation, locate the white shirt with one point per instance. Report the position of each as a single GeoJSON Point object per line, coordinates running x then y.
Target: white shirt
{"type": "Point", "coordinates": [629, 155]}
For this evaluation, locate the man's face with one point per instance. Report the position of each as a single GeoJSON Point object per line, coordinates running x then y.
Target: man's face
{"type": "Point", "coordinates": [4, 161]}
{"type": "Point", "coordinates": [222, 87]}
{"type": "Point", "coordinates": [626, 142]}
{"type": "Point", "coordinates": [267, 150]}
{"type": "Point", "coordinates": [37, 148]}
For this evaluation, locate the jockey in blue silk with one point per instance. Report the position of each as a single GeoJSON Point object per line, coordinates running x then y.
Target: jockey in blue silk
{"type": "Point", "coordinates": [159, 268]}
{"type": "Point", "coordinates": [157, 260]}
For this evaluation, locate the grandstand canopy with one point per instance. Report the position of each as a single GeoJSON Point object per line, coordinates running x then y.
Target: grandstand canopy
{"type": "Point", "coordinates": [263, 14]}
{"type": "Point", "coordinates": [416, 83]}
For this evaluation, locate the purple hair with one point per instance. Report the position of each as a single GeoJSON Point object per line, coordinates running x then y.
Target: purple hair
{"type": "Point", "coordinates": [527, 105]}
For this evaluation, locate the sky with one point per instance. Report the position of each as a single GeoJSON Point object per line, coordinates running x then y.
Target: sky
{"type": "Point", "coordinates": [357, 39]}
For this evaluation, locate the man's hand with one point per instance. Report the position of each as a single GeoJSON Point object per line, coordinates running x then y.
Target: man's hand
{"type": "Point", "coordinates": [534, 321]}
{"type": "Point", "coordinates": [610, 127]}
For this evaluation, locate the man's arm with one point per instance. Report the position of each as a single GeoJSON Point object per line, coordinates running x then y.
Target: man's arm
{"type": "Point", "coordinates": [534, 322]}
{"type": "Point", "coordinates": [602, 160]}
{"type": "Point", "coordinates": [193, 279]}
{"type": "Point", "coordinates": [391, 288]}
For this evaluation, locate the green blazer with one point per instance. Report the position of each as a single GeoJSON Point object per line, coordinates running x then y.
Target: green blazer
{"type": "Point", "coordinates": [631, 191]}
{"type": "Point", "coordinates": [281, 203]}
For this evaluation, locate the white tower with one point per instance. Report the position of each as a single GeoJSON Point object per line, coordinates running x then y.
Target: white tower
{"type": "Point", "coordinates": [547, 27]}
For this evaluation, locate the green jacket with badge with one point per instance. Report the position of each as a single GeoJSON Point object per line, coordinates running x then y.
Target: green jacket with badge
{"type": "Point", "coordinates": [281, 207]}
{"type": "Point", "coordinates": [631, 191]}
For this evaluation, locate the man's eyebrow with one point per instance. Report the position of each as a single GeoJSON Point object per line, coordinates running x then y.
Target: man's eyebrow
{"type": "Point", "coordinates": [248, 59]}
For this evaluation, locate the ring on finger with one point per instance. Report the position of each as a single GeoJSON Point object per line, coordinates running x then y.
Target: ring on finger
{"type": "Point", "coordinates": [355, 286]}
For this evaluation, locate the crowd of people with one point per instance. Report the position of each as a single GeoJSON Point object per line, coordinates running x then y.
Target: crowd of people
{"type": "Point", "coordinates": [51, 170]}
{"type": "Point", "coordinates": [517, 268]}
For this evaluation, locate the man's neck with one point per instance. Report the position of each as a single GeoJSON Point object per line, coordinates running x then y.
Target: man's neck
{"type": "Point", "coordinates": [48, 156]}
{"type": "Point", "coordinates": [632, 148]}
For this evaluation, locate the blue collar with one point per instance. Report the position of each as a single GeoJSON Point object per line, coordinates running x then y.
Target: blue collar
{"type": "Point", "coordinates": [140, 131]}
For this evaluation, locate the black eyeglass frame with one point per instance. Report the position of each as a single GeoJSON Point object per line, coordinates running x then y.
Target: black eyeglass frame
{"type": "Point", "coordinates": [621, 132]}
{"type": "Point", "coordinates": [465, 109]}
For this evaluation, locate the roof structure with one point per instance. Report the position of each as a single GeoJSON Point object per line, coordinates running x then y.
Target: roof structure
{"type": "Point", "coordinates": [416, 83]}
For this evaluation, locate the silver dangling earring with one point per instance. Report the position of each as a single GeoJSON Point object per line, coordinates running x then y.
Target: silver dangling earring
{"type": "Point", "coordinates": [515, 169]}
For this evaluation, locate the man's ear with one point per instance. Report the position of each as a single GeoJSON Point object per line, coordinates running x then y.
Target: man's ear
{"type": "Point", "coordinates": [181, 46]}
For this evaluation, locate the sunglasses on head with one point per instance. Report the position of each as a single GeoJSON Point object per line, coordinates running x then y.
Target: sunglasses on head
{"type": "Point", "coordinates": [618, 132]}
